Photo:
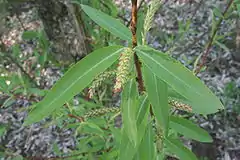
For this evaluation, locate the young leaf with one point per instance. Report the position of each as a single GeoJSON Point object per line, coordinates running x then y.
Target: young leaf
{"type": "Point", "coordinates": [146, 149]}
{"type": "Point", "coordinates": [127, 149]}
{"type": "Point", "coordinates": [176, 147]}
{"type": "Point", "coordinates": [221, 45]}
{"type": "Point", "coordinates": [142, 116]}
{"type": "Point", "coordinates": [129, 107]}
{"type": "Point", "coordinates": [87, 127]}
{"type": "Point", "coordinates": [16, 50]}
{"type": "Point", "coordinates": [30, 35]}
{"type": "Point", "coordinates": [2, 130]}
{"type": "Point", "coordinates": [202, 100]}
{"type": "Point", "coordinates": [107, 22]}
{"type": "Point", "coordinates": [217, 12]}
{"type": "Point", "coordinates": [3, 85]}
{"type": "Point", "coordinates": [143, 109]}
{"type": "Point", "coordinates": [189, 129]}
{"type": "Point", "coordinates": [74, 81]}
{"type": "Point", "coordinates": [157, 94]}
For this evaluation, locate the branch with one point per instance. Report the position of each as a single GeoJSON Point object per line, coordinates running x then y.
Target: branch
{"type": "Point", "coordinates": [204, 57]}
{"type": "Point", "coordinates": [134, 44]}
{"type": "Point", "coordinates": [140, 5]}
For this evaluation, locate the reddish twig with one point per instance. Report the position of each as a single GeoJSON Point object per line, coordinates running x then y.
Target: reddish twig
{"type": "Point", "coordinates": [80, 119]}
{"type": "Point", "coordinates": [140, 5]}
{"type": "Point", "coordinates": [134, 44]}
{"type": "Point", "coordinates": [204, 57]}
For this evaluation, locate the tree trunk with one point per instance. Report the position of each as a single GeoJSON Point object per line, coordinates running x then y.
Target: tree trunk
{"type": "Point", "coordinates": [63, 28]}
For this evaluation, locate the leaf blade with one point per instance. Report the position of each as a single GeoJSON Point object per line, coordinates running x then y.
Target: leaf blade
{"type": "Point", "coordinates": [74, 80]}
{"type": "Point", "coordinates": [157, 94]}
{"type": "Point", "coordinates": [107, 22]}
{"type": "Point", "coordinates": [180, 79]}
{"type": "Point", "coordinates": [146, 149]}
{"type": "Point", "coordinates": [189, 129]}
{"type": "Point", "coordinates": [129, 107]}
{"type": "Point", "coordinates": [176, 147]}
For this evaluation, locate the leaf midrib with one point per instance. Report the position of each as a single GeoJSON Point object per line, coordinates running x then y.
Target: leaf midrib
{"type": "Point", "coordinates": [76, 80]}
{"type": "Point", "coordinates": [166, 70]}
{"type": "Point", "coordinates": [106, 24]}
{"type": "Point", "coordinates": [190, 130]}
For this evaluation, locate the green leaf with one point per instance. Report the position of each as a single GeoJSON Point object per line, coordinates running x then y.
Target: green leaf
{"type": "Point", "coordinates": [223, 46]}
{"type": "Point", "coordinates": [238, 9]}
{"type": "Point", "coordinates": [116, 132]}
{"type": "Point", "coordinates": [189, 129]}
{"type": "Point", "coordinates": [129, 108]}
{"type": "Point", "coordinates": [140, 23]}
{"type": "Point", "coordinates": [16, 50]}
{"type": "Point", "coordinates": [176, 147]}
{"type": "Point", "coordinates": [8, 102]}
{"type": "Point", "coordinates": [143, 109]}
{"type": "Point", "coordinates": [74, 81]}
{"type": "Point", "coordinates": [3, 85]}
{"type": "Point", "coordinates": [91, 128]}
{"type": "Point", "coordinates": [30, 35]}
{"type": "Point", "coordinates": [19, 157]}
{"type": "Point", "coordinates": [182, 80]}
{"type": "Point", "coordinates": [172, 93]}
{"type": "Point", "coordinates": [2, 130]}
{"type": "Point", "coordinates": [142, 116]}
{"type": "Point", "coordinates": [127, 149]}
{"type": "Point", "coordinates": [107, 22]}
{"type": "Point", "coordinates": [36, 91]}
{"type": "Point", "coordinates": [146, 149]}
{"type": "Point", "coordinates": [217, 12]}
{"type": "Point", "coordinates": [56, 149]}
{"type": "Point", "coordinates": [157, 94]}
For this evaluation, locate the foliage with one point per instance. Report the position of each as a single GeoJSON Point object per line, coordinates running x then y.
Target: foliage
{"type": "Point", "coordinates": [147, 120]}
{"type": "Point", "coordinates": [150, 127]}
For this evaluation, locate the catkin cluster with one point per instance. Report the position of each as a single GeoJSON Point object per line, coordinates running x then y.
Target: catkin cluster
{"type": "Point", "coordinates": [123, 69]}
{"type": "Point", "coordinates": [101, 111]}
{"type": "Point", "coordinates": [98, 81]}
{"type": "Point", "coordinates": [180, 105]}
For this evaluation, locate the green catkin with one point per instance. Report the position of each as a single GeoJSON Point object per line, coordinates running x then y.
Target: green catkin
{"type": "Point", "coordinates": [100, 112]}
{"type": "Point", "coordinates": [180, 105]}
{"type": "Point", "coordinates": [98, 81]}
{"type": "Point", "coordinates": [123, 69]}
{"type": "Point", "coordinates": [154, 6]}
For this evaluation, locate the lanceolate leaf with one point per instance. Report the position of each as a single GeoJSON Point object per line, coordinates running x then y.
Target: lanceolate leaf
{"type": "Point", "coordinates": [142, 116]}
{"type": "Point", "coordinates": [107, 22]}
{"type": "Point", "coordinates": [180, 79]}
{"type": "Point", "coordinates": [173, 94]}
{"type": "Point", "coordinates": [127, 148]}
{"type": "Point", "coordinates": [74, 81]}
{"type": "Point", "coordinates": [146, 149]}
{"type": "Point", "coordinates": [129, 107]}
{"type": "Point", "coordinates": [143, 109]}
{"type": "Point", "coordinates": [176, 147]}
{"type": "Point", "coordinates": [157, 94]}
{"type": "Point", "coordinates": [189, 129]}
